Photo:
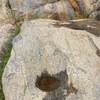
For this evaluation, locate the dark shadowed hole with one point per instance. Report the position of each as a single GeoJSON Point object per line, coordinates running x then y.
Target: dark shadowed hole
{"type": "Point", "coordinates": [47, 82]}
{"type": "Point", "coordinates": [98, 52]}
{"type": "Point", "coordinates": [56, 85]}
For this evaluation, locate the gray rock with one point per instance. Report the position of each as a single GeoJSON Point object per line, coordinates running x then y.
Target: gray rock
{"type": "Point", "coordinates": [95, 15]}
{"type": "Point", "coordinates": [57, 10]}
{"type": "Point", "coordinates": [43, 55]}
{"type": "Point", "coordinates": [27, 6]}
{"type": "Point", "coordinates": [97, 5]}
{"type": "Point", "coordinates": [85, 6]}
{"type": "Point", "coordinates": [42, 9]}
{"type": "Point", "coordinates": [88, 6]}
{"type": "Point", "coordinates": [5, 11]}
{"type": "Point", "coordinates": [4, 36]}
{"type": "Point", "coordinates": [45, 8]}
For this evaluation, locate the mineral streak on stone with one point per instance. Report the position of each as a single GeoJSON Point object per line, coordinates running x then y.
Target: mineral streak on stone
{"type": "Point", "coordinates": [91, 26]}
{"type": "Point", "coordinates": [76, 7]}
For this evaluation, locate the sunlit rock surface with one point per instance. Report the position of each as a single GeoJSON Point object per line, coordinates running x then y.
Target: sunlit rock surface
{"type": "Point", "coordinates": [47, 52]}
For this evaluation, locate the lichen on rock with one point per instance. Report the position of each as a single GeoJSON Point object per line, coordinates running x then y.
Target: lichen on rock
{"type": "Point", "coordinates": [54, 49]}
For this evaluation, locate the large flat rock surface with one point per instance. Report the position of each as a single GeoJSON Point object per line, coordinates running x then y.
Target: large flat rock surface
{"type": "Point", "coordinates": [53, 63]}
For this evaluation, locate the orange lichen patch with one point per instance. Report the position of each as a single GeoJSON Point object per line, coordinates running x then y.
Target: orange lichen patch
{"type": "Point", "coordinates": [75, 7]}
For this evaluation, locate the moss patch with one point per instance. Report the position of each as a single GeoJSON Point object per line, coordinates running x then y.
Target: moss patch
{"type": "Point", "coordinates": [5, 57]}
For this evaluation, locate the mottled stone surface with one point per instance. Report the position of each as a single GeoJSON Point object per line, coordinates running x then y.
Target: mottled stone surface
{"type": "Point", "coordinates": [5, 11]}
{"type": "Point", "coordinates": [58, 10]}
{"type": "Point", "coordinates": [67, 54]}
{"type": "Point", "coordinates": [48, 8]}
{"type": "Point", "coordinates": [4, 35]}
{"type": "Point", "coordinates": [54, 9]}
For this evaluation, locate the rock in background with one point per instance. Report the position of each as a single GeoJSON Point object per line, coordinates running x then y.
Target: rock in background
{"type": "Point", "coordinates": [5, 13]}
{"type": "Point", "coordinates": [96, 13]}
{"type": "Point", "coordinates": [56, 9]}
{"type": "Point", "coordinates": [4, 35]}
{"type": "Point", "coordinates": [53, 9]}
{"type": "Point", "coordinates": [45, 54]}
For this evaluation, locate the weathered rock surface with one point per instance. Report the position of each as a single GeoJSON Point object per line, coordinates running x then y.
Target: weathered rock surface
{"type": "Point", "coordinates": [89, 25]}
{"type": "Point", "coordinates": [43, 9]}
{"type": "Point", "coordinates": [5, 11]}
{"type": "Point", "coordinates": [43, 55]}
{"type": "Point", "coordinates": [95, 13]}
{"type": "Point", "coordinates": [54, 9]}
{"type": "Point", "coordinates": [4, 36]}
{"type": "Point", "coordinates": [61, 10]}
{"type": "Point", "coordinates": [71, 9]}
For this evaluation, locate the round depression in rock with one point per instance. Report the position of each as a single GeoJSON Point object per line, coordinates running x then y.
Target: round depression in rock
{"type": "Point", "coordinates": [47, 83]}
